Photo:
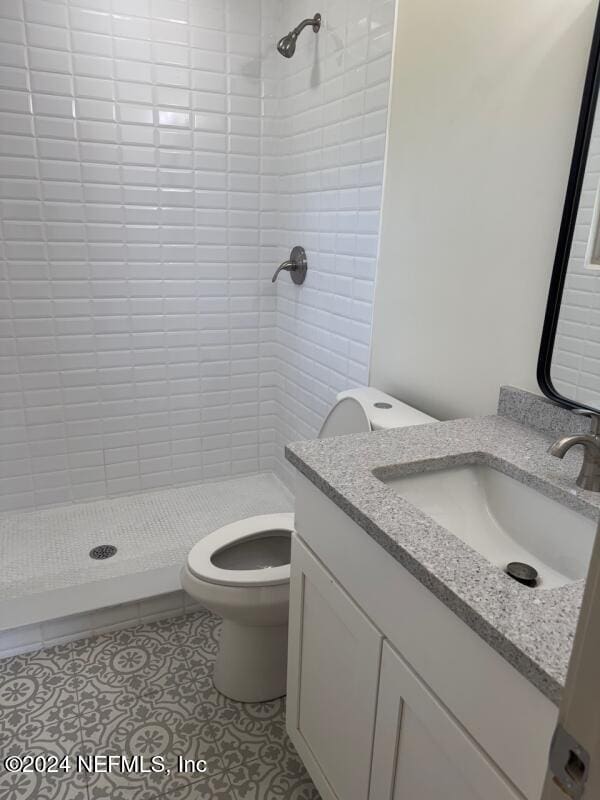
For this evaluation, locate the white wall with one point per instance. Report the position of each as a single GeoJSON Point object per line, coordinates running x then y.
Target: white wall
{"type": "Point", "coordinates": [484, 108]}
{"type": "Point", "coordinates": [325, 122]}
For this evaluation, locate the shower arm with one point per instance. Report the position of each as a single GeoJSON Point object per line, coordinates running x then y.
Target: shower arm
{"type": "Point", "coordinates": [314, 21]}
{"type": "Point", "coordinates": [287, 44]}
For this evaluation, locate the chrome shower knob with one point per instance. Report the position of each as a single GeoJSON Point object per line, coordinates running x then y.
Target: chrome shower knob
{"type": "Point", "coordinates": [296, 265]}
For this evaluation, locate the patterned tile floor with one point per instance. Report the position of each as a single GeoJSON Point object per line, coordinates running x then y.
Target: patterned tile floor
{"type": "Point", "coordinates": [143, 691]}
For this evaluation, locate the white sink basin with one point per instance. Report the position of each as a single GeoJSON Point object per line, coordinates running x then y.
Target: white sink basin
{"type": "Point", "coordinates": [504, 520]}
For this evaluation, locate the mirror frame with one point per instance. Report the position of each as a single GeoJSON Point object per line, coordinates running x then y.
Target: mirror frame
{"type": "Point", "coordinates": [567, 225]}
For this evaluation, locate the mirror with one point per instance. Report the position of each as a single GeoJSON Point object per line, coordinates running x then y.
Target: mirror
{"type": "Point", "coordinates": [569, 361]}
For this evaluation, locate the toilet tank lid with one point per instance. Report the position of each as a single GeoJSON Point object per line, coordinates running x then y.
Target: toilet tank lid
{"type": "Point", "coordinates": [377, 404]}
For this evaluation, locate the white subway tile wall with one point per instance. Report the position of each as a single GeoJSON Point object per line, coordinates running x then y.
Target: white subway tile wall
{"type": "Point", "coordinates": [325, 131]}
{"type": "Point", "coordinates": [130, 164]}
{"type": "Point", "coordinates": [157, 159]}
{"type": "Point", "coordinates": [576, 359]}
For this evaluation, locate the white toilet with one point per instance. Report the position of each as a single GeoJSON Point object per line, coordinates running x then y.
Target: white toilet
{"type": "Point", "coordinates": [242, 571]}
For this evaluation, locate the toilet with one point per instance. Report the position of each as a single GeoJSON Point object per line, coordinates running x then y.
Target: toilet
{"type": "Point", "coordinates": [242, 571]}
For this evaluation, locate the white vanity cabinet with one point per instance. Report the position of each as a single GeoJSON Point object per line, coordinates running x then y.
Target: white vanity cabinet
{"type": "Point", "coordinates": [390, 695]}
{"type": "Point", "coordinates": [365, 725]}
{"type": "Point", "coordinates": [333, 665]}
{"type": "Point", "coordinates": [420, 750]}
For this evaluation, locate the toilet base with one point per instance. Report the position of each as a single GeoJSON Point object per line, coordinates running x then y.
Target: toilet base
{"type": "Point", "coordinates": [251, 665]}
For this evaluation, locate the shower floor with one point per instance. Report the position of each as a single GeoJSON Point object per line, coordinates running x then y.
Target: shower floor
{"type": "Point", "coordinates": [46, 570]}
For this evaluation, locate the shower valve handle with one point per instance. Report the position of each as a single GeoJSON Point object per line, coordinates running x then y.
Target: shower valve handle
{"type": "Point", "coordinates": [286, 265]}
{"type": "Point", "coordinates": [296, 265]}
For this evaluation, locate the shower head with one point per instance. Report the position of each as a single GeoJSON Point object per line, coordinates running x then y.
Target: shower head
{"type": "Point", "coordinates": [287, 44]}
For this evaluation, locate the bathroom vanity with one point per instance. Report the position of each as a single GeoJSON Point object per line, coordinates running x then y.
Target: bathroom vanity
{"type": "Point", "coordinates": [417, 668]}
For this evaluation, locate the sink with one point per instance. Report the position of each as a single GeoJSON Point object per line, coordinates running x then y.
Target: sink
{"type": "Point", "coordinates": [504, 520]}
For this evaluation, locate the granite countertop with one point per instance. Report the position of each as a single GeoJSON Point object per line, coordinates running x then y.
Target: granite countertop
{"type": "Point", "coordinates": [532, 629]}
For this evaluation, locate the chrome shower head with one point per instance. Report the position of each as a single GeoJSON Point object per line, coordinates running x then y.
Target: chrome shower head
{"type": "Point", "coordinates": [287, 44]}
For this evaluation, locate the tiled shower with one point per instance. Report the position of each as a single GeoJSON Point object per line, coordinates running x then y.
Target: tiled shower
{"type": "Point", "coordinates": [158, 159]}
{"type": "Point", "coordinates": [327, 127]}
{"type": "Point", "coordinates": [131, 216]}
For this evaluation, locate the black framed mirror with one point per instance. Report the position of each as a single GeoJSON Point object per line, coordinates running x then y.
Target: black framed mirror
{"type": "Point", "coordinates": [569, 360]}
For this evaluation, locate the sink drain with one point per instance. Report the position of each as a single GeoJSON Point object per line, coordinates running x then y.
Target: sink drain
{"type": "Point", "coordinates": [103, 551]}
{"type": "Point", "coordinates": [523, 573]}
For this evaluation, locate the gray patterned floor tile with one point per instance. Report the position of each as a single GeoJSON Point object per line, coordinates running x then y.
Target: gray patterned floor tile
{"type": "Point", "coordinates": [155, 726]}
{"type": "Point", "coordinates": [147, 691]}
{"type": "Point", "coordinates": [200, 638]}
{"type": "Point", "coordinates": [36, 689]}
{"type": "Point", "coordinates": [244, 731]}
{"type": "Point", "coordinates": [278, 778]}
{"type": "Point", "coordinates": [44, 738]}
{"type": "Point", "coordinates": [36, 787]}
{"type": "Point", "coordinates": [212, 787]}
{"type": "Point", "coordinates": [130, 662]}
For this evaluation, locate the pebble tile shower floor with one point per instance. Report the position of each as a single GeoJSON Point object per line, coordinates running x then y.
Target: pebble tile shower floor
{"type": "Point", "coordinates": [146, 691]}
{"type": "Point", "coordinates": [49, 549]}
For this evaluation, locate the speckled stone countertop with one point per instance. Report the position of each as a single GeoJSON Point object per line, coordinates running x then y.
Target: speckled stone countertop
{"type": "Point", "coordinates": [532, 629]}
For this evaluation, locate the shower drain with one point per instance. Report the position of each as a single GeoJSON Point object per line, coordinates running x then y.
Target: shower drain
{"type": "Point", "coordinates": [103, 551]}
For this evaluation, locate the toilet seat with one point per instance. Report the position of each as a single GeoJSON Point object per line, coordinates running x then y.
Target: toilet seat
{"type": "Point", "coordinates": [200, 562]}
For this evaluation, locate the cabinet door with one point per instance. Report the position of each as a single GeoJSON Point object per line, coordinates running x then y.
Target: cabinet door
{"type": "Point", "coordinates": [421, 751]}
{"type": "Point", "coordinates": [333, 668]}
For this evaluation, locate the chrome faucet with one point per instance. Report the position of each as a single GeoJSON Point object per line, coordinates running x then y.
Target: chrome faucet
{"type": "Point", "coordinates": [589, 477]}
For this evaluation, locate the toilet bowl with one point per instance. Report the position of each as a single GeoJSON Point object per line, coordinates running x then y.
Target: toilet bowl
{"type": "Point", "coordinates": [242, 571]}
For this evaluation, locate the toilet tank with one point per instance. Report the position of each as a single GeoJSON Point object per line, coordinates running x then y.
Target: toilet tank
{"type": "Point", "coordinates": [365, 408]}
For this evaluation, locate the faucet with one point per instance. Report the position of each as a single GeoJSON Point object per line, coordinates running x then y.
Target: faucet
{"type": "Point", "coordinates": [589, 477]}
